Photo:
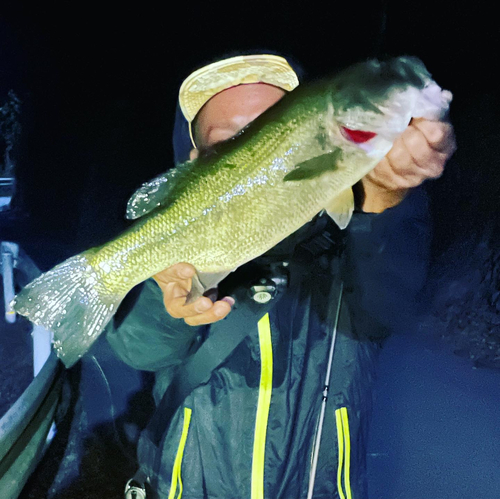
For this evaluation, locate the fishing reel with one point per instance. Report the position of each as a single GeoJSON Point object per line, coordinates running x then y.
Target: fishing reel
{"type": "Point", "coordinates": [269, 286]}
{"type": "Point", "coordinates": [260, 280]}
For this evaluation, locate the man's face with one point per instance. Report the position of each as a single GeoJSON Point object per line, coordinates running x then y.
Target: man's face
{"type": "Point", "coordinates": [226, 113]}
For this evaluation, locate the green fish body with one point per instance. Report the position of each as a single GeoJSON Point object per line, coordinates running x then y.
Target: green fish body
{"type": "Point", "coordinates": [228, 207]}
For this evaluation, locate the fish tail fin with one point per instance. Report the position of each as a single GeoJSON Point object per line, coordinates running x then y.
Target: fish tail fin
{"type": "Point", "coordinates": [70, 301]}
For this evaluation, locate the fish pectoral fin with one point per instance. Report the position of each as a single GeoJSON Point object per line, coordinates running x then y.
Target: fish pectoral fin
{"type": "Point", "coordinates": [315, 167]}
{"type": "Point", "coordinates": [341, 207]}
{"type": "Point", "coordinates": [202, 282]}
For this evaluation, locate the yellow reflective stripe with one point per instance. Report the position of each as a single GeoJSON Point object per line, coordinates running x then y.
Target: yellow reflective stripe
{"type": "Point", "coordinates": [340, 439]}
{"type": "Point", "coordinates": [176, 470]}
{"type": "Point", "coordinates": [347, 461]}
{"type": "Point", "coordinates": [344, 442]}
{"type": "Point", "coordinates": [263, 404]}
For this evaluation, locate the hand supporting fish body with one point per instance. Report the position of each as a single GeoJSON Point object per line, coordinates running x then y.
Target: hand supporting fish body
{"type": "Point", "coordinates": [220, 211]}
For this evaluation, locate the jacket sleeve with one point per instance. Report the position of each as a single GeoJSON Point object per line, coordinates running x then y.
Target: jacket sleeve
{"type": "Point", "coordinates": [386, 265]}
{"type": "Point", "coordinates": [144, 335]}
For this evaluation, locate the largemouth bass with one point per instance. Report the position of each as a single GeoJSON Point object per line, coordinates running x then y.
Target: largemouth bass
{"type": "Point", "coordinates": [226, 208]}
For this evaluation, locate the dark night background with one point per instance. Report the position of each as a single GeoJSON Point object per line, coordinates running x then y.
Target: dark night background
{"type": "Point", "coordinates": [98, 84]}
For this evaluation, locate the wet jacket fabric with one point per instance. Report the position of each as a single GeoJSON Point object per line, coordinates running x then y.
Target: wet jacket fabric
{"type": "Point", "coordinates": [249, 431]}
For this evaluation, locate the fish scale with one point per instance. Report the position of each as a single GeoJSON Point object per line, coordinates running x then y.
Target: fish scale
{"type": "Point", "coordinates": [258, 219]}
{"type": "Point", "coordinates": [232, 205]}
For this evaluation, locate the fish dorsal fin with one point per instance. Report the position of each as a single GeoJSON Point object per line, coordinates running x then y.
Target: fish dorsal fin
{"type": "Point", "coordinates": [151, 194]}
{"type": "Point", "coordinates": [315, 167]}
{"type": "Point", "coordinates": [341, 207]}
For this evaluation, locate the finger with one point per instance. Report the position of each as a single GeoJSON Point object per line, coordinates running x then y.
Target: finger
{"type": "Point", "coordinates": [396, 165]}
{"type": "Point", "coordinates": [218, 311]}
{"type": "Point", "coordinates": [382, 175]}
{"type": "Point", "coordinates": [176, 273]}
{"type": "Point", "coordinates": [438, 134]}
{"type": "Point", "coordinates": [399, 159]}
{"type": "Point", "coordinates": [177, 307]}
{"type": "Point", "coordinates": [425, 160]}
{"type": "Point", "coordinates": [388, 180]}
{"type": "Point", "coordinates": [391, 178]}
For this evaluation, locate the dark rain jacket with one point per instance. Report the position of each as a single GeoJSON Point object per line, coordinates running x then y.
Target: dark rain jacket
{"type": "Point", "coordinates": [249, 431]}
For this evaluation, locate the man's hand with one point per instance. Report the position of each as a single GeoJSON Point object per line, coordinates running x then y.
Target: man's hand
{"type": "Point", "coordinates": [418, 154]}
{"type": "Point", "coordinates": [175, 283]}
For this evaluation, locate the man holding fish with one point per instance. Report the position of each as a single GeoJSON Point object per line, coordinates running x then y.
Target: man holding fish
{"type": "Point", "coordinates": [230, 440]}
{"type": "Point", "coordinates": [420, 153]}
{"type": "Point", "coordinates": [283, 413]}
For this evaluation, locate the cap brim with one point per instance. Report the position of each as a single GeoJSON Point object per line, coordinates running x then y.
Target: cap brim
{"type": "Point", "coordinates": [200, 86]}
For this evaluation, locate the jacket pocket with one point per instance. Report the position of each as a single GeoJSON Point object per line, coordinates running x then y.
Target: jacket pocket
{"type": "Point", "coordinates": [176, 484]}
{"type": "Point", "coordinates": [344, 457]}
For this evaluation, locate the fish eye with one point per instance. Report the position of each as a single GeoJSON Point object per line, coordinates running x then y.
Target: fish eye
{"type": "Point", "coordinates": [356, 136]}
